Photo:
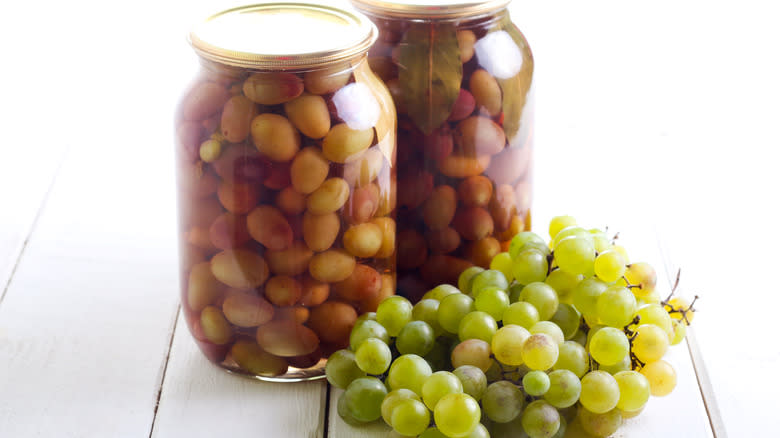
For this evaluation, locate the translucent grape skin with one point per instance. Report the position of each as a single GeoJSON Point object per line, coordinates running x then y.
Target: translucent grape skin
{"type": "Point", "coordinates": [563, 283]}
{"type": "Point", "coordinates": [520, 241]}
{"type": "Point", "coordinates": [457, 415]}
{"type": "Point", "coordinates": [507, 344]}
{"type": "Point", "coordinates": [573, 357]}
{"type": "Point", "coordinates": [609, 346]}
{"type": "Point", "coordinates": [488, 278]}
{"type": "Point", "coordinates": [452, 309]}
{"type": "Point", "coordinates": [410, 418]}
{"type": "Point", "coordinates": [610, 265]}
{"type": "Point", "coordinates": [364, 398]}
{"type": "Point", "coordinates": [342, 369]}
{"type": "Point", "coordinates": [543, 297]}
{"type": "Point", "coordinates": [634, 390]}
{"type": "Point", "coordinates": [571, 231]}
{"type": "Point", "coordinates": [586, 295]}
{"type": "Point", "coordinates": [661, 376]}
{"type": "Point", "coordinates": [443, 290]}
{"type": "Point", "coordinates": [536, 383]}
{"type": "Point", "coordinates": [432, 432]}
{"type": "Point", "coordinates": [493, 301]}
{"type": "Point", "coordinates": [529, 266]}
{"type": "Point", "coordinates": [600, 392]}
{"type": "Point", "coordinates": [616, 307]}
{"type": "Point", "coordinates": [502, 401]}
{"type": "Point", "coordinates": [623, 365]}
{"type": "Point", "coordinates": [477, 325]}
{"type": "Point", "coordinates": [650, 343]}
{"type": "Point", "coordinates": [465, 278]}
{"type": "Point", "coordinates": [373, 356]}
{"type": "Point", "coordinates": [364, 330]}
{"type": "Point", "coordinates": [539, 352]}
{"type": "Point", "coordinates": [503, 262]}
{"type": "Point", "coordinates": [548, 328]}
{"type": "Point", "coordinates": [408, 371]}
{"type": "Point", "coordinates": [565, 388]}
{"type": "Point", "coordinates": [599, 425]}
{"type": "Point", "coordinates": [438, 385]}
{"type": "Point", "coordinates": [643, 275]}
{"type": "Point", "coordinates": [343, 410]}
{"type": "Point", "coordinates": [417, 337]}
{"type": "Point", "coordinates": [540, 420]}
{"type": "Point", "coordinates": [558, 223]}
{"type": "Point", "coordinates": [567, 318]}
{"type": "Point", "coordinates": [475, 352]}
{"type": "Point", "coordinates": [472, 379]}
{"type": "Point", "coordinates": [393, 313]}
{"type": "Point", "coordinates": [392, 399]}
{"type": "Point", "coordinates": [575, 255]}
{"type": "Point", "coordinates": [521, 313]}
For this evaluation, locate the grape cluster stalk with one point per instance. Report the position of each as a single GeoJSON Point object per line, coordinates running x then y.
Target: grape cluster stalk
{"type": "Point", "coordinates": [554, 336]}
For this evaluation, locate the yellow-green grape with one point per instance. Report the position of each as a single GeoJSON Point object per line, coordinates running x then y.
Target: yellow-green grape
{"type": "Point", "coordinates": [536, 383]}
{"type": "Point", "coordinates": [373, 356]}
{"type": "Point", "coordinates": [560, 222]}
{"type": "Point", "coordinates": [643, 275]}
{"type": "Point", "coordinates": [479, 432]}
{"type": "Point", "coordinates": [622, 250]}
{"type": "Point", "coordinates": [586, 295]}
{"type": "Point", "coordinates": [656, 315]}
{"type": "Point", "coordinates": [539, 352]}
{"type": "Point", "coordinates": [634, 390]}
{"type": "Point", "coordinates": [592, 332]}
{"type": "Point", "coordinates": [529, 266]}
{"type": "Point", "coordinates": [662, 377]}
{"type": "Point", "coordinates": [452, 309]}
{"type": "Point", "coordinates": [540, 420]}
{"type": "Point", "coordinates": [477, 325]}
{"type": "Point", "coordinates": [475, 352]}
{"type": "Point", "coordinates": [522, 240]}
{"type": "Point", "coordinates": [364, 398]}
{"type": "Point", "coordinates": [575, 255]}
{"type": "Point", "coordinates": [631, 414]}
{"type": "Point", "coordinates": [680, 307]}
{"type": "Point", "coordinates": [565, 388]}
{"type": "Point", "coordinates": [503, 262]}
{"type": "Point", "coordinates": [568, 319]}
{"type": "Point", "coordinates": [392, 399]}
{"type": "Point", "coordinates": [441, 291]}
{"type": "Point", "coordinates": [609, 346]}
{"type": "Point", "coordinates": [439, 356]}
{"type": "Point", "coordinates": [490, 278]}
{"type": "Point", "coordinates": [367, 329]}
{"type": "Point", "coordinates": [410, 417]}
{"type": "Point", "coordinates": [342, 369]}
{"type": "Point", "coordinates": [600, 425]}
{"type": "Point", "coordinates": [408, 371]}
{"type": "Point", "coordinates": [514, 292]}
{"type": "Point", "coordinates": [343, 410]}
{"type": "Point", "coordinates": [438, 385]}
{"type": "Point", "coordinates": [507, 344]}
{"type": "Point", "coordinates": [564, 284]}
{"type": "Point", "coordinates": [472, 379]}
{"type": "Point", "coordinates": [432, 432]}
{"type": "Point", "coordinates": [623, 365]}
{"type": "Point", "coordinates": [465, 278]}
{"type": "Point", "coordinates": [600, 392]}
{"type": "Point", "coordinates": [679, 330]}
{"type": "Point", "coordinates": [653, 297]}
{"type": "Point", "coordinates": [417, 337]}
{"type": "Point", "coordinates": [492, 301]}
{"type": "Point", "coordinates": [393, 313]}
{"type": "Point", "coordinates": [580, 337]}
{"type": "Point", "coordinates": [457, 415]}
{"type": "Point", "coordinates": [571, 231]}
{"type": "Point", "coordinates": [650, 343]}
{"type": "Point", "coordinates": [548, 328]}
{"type": "Point", "coordinates": [210, 150]}
{"type": "Point", "coordinates": [600, 240]}
{"type": "Point", "coordinates": [609, 265]}
{"type": "Point", "coordinates": [521, 313]}
{"type": "Point", "coordinates": [616, 307]}
{"type": "Point", "coordinates": [502, 401]}
{"type": "Point", "coordinates": [573, 357]}
{"type": "Point", "coordinates": [543, 297]}
{"type": "Point", "coordinates": [428, 310]}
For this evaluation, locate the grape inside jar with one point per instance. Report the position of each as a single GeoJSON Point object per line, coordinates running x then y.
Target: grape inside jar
{"type": "Point", "coordinates": [285, 145]}
{"type": "Point", "coordinates": [460, 73]}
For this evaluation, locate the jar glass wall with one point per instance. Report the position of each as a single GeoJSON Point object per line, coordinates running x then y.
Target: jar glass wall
{"type": "Point", "coordinates": [286, 191]}
{"type": "Point", "coordinates": [461, 77]}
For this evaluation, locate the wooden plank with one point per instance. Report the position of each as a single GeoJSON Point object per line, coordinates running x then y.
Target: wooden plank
{"type": "Point", "coordinates": [199, 399]}
{"type": "Point", "coordinates": [683, 411]}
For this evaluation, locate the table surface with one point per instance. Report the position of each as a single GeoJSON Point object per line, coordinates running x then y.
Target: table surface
{"type": "Point", "coordinates": [657, 119]}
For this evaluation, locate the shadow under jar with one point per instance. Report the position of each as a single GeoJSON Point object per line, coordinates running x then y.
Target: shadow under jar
{"type": "Point", "coordinates": [285, 146]}
{"type": "Point", "coordinates": [460, 74]}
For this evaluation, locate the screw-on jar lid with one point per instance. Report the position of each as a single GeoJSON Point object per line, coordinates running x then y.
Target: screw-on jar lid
{"type": "Point", "coordinates": [430, 9]}
{"type": "Point", "coordinates": [282, 35]}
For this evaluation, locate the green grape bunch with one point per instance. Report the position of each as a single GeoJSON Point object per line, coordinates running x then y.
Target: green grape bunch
{"type": "Point", "coordinates": [554, 334]}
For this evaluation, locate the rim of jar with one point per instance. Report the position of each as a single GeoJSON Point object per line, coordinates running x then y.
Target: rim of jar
{"type": "Point", "coordinates": [430, 9]}
{"type": "Point", "coordinates": [357, 24]}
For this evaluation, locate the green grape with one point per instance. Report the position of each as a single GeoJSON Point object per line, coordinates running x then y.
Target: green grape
{"type": "Point", "coordinates": [616, 307]}
{"type": "Point", "coordinates": [600, 425]}
{"type": "Point", "coordinates": [410, 417]}
{"type": "Point", "coordinates": [497, 372]}
{"type": "Point", "coordinates": [631, 414]}
{"type": "Point", "coordinates": [609, 346]}
{"type": "Point", "coordinates": [428, 310]}
{"type": "Point", "coordinates": [653, 297]}
{"type": "Point", "coordinates": [521, 239]}
{"type": "Point", "coordinates": [661, 376]}
{"type": "Point", "coordinates": [575, 255]}
{"type": "Point", "coordinates": [364, 398]}
{"type": "Point", "coordinates": [472, 379]}
{"type": "Point", "coordinates": [342, 369]}
{"type": "Point", "coordinates": [477, 325]}
{"type": "Point", "coordinates": [540, 420]}
{"type": "Point", "coordinates": [392, 399]}
{"type": "Point", "coordinates": [479, 432]}
{"type": "Point", "coordinates": [438, 385]}
{"type": "Point", "coordinates": [514, 292]}
{"type": "Point", "coordinates": [507, 344]}
{"type": "Point", "coordinates": [610, 265]}
{"type": "Point", "coordinates": [408, 371]}
{"type": "Point", "coordinates": [457, 415]}
{"type": "Point", "coordinates": [367, 329]}
{"type": "Point", "coordinates": [393, 313]}
{"type": "Point", "coordinates": [601, 242]}
{"type": "Point", "coordinates": [536, 383]}
{"type": "Point", "coordinates": [623, 365]}
{"type": "Point", "coordinates": [492, 301]}
{"type": "Point", "coordinates": [488, 279]}
{"type": "Point", "coordinates": [368, 316]}
{"type": "Point", "coordinates": [417, 337]}
{"type": "Point", "coordinates": [432, 432]}
{"type": "Point", "coordinates": [543, 297]}
{"type": "Point", "coordinates": [679, 328]}
{"type": "Point", "coordinates": [567, 317]}
{"type": "Point", "coordinates": [439, 356]}
{"type": "Point", "coordinates": [621, 250]}
{"type": "Point", "coordinates": [443, 290]}
{"type": "Point", "coordinates": [643, 275]}
{"type": "Point", "coordinates": [502, 401]}
{"type": "Point", "coordinates": [564, 389]}
{"type": "Point", "coordinates": [580, 337]}
{"type": "Point", "coordinates": [373, 356]}
{"type": "Point", "coordinates": [656, 315]}
{"type": "Point", "coordinates": [548, 328]}
{"type": "Point", "coordinates": [591, 333]}
{"type": "Point", "coordinates": [513, 429]}
{"type": "Point", "coordinates": [571, 231]}
{"type": "Point", "coordinates": [573, 357]}
{"type": "Point", "coordinates": [650, 343]}
{"type": "Point", "coordinates": [452, 309]}
{"type": "Point", "coordinates": [465, 278]}
{"type": "Point", "coordinates": [529, 266]}
{"type": "Point", "coordinates": [563, 283]}
{"type": "Point", "coordinates": [521, 313]}
{"type": "Point", "coordinates": [586, 295]}
{"type": "Point", "coordinates": [558, 223]}
{"type": "Point", "coordinates": [600, 392]}
{"type": "Point", "coordinates": [539, 352]}
{"type": "Point", "coordinates": [474, 352]}
{"type": "Point", "coordinates": [503, 262]}
{"type": "Point", "coordinates": [634, 390]}
{"type": "Point", "coordinates": [343, 410]}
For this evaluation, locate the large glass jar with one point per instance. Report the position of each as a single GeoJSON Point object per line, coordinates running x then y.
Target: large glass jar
{"type": "Point", "coordinates": [285, 148]}
{"type": "Point", "coordinates": [460, 73]}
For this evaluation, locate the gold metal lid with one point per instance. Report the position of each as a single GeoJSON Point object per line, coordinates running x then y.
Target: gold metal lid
{"type": "Point", "coordinates": [430, 9]}
{"type": "Point", "coordinates": [282, 35]}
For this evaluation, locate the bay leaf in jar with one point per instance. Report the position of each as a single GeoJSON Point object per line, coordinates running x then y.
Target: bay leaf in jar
{"type": "Point", "coordinates": [430, 73]}
{"type": "Point", "coordinates": [516, 88]}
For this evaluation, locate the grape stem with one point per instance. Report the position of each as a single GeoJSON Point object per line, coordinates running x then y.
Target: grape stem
{"type": "Point", "coordinates": [628, 284]}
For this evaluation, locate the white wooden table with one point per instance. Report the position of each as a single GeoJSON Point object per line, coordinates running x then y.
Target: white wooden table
{"type": "Point", "coordinates": [659, 120]}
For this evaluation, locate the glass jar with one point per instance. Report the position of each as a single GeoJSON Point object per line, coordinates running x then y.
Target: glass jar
{"type": "Point", "coordinates": [285, 148]}
{"type": "Point", "coordinates": [460, 73]}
